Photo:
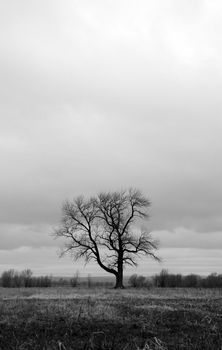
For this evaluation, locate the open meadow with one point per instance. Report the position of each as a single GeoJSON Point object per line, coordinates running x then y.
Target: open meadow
{"type": "Point", "coordinates": [130, 319]}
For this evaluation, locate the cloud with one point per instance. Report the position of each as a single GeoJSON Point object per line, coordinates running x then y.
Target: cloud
{"type": "Point", "coordinates": [14, 236]}
{"type": "Point", "coordinates": [184, 238]}
{"type": "Point", "coordinates": [76, 51]}
{"type": "Point", "coordinates": [185, 261]}
{"type": "Point", "coordinates": [109, 95]}
{"type": "Point", "coordinates": [45, 261]}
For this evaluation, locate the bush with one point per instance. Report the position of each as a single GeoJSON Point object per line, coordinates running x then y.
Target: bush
{"type": "Point", "coordinates": [164, 279]}
{"type": "Point", "coordinates": [191, 281]}
{"type": "Point", "coordinates": [136, 281]}
{"type": "Point", "coordinates": [213, 281]}
{"type": "Point", "coordinates": [8, 278]}
{"type": "Point", "coordinates": [161, 280]}
{"type": "Point", "coordinates": [26, 278]}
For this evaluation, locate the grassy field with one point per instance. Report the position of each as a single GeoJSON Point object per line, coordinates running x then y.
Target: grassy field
{"type": "Point", "coordinates": [105, 319]}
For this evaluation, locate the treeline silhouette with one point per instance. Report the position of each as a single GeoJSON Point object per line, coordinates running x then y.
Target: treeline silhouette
{"type": "Point", "coordinates": [25, 278]}
{"type": "Point", "coordinates": [14, 279]}
{"type": "Point", "coordinates": [169, 280]}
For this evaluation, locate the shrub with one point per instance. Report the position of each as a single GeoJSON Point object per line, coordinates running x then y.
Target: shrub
{"type": "Point", "coordinates": [7, 278]}
{"type": "Point", "coordinates": [161, 280]}
{"type": "Point", "coordinates": [136, 281]}
{"type": "Point", "coordinates": [213, 281]}
{"type": "Point", "coordinates": [191, 281]}
{"type": "Point", "coordinates": [164, 279]}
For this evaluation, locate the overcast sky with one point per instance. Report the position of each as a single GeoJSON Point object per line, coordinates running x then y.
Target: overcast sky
{"type": "Point", "coordinates": [104, 95]}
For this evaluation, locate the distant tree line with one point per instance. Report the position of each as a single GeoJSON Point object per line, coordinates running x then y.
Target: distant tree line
{"type": "Point", "coordinates": [25, 278]}
{"type": "Point", "coordinates": [89, 282]}
{"type": "Point", "coordinates": [169, 280]}
{"type": "Point", "coordinates": [14, 279]}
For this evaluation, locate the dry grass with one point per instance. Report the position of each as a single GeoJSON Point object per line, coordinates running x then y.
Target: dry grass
{"type": "Point", "coordinates": [105, 319]}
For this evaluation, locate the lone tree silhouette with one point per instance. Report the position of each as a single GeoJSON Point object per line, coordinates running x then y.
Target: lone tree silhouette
{"type": "Point", "coordinates": [103, 228]}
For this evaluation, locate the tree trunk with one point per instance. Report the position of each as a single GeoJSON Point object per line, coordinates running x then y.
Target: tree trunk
{"type": "Point", "coordinates": [119, 275]}
{"type": "Point", "coordinates": [119, 282]}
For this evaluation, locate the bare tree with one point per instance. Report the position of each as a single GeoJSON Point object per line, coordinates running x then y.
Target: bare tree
{"type": "Point", "coordinates": [103, 228]}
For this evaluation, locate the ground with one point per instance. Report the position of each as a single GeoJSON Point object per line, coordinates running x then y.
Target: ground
{"type": "Point", "coordinates": [105, 319]}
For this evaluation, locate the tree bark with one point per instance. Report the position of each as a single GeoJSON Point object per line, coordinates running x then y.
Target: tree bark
{"type": "Point", "coordinates": [119, 275]}
{"type": "Point", "coordinates": [119, 282]}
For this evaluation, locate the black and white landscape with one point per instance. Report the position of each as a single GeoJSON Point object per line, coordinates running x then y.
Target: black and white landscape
{"type": "Point", "coordinates": [106, 98]}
